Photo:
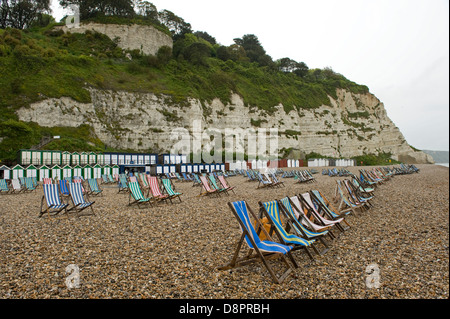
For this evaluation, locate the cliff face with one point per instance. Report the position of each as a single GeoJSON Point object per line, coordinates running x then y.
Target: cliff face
{"type": "Point", "coordinates": [353, 125]}
{"type": "Point", "coordinates": [145, 38]}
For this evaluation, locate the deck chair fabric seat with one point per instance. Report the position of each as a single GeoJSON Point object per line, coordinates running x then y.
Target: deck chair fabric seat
{"type": "Point", "coordinates": [94, 188]}
{"type": "Point", "coordinates": [260, 250]}
{"type": "Point", "coordinates": [225, 184]}
{"type": "Point", "coordinates": [4, 187]}
{"type": "Point", "coordinates": [136, 196]}
{"type": "Point", "coordinates": [168, 187]}
{"type": "Point", "coordinates": [155, 190]}
{"type": "Point", "coordinates": [205, 185]}
{"type": "Point", "coordinates": [64, 190]}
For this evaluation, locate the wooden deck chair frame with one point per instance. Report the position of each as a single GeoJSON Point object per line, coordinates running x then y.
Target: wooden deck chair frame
{"type": "Point", "coordinates": [355, 194]}
{"type": "Point", "coordinates": [51, 203]}
{"type": "Point", "coordinates": [254, 253]}
{"type": "Point", "coordinates": [271, 210]}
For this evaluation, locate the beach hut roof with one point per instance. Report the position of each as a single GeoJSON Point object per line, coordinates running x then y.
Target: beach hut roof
{"type": "Point", "coordinates": [31, 166]}
{"type": "Point", "coordinates": [18, 166]}
{"type": "Point", "coordinates": [5, 168]}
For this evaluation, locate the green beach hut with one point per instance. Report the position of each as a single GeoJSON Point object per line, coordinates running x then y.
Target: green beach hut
{"type": "Point", "coordinates": [17, 171]}
{"type": "Point", "coordinates": [67, 171]}
{"type": "Point", "coordinates": [31, 171]}
{"type": "Point", "coordinates": [56, 172]}
{"type": "Point", "coordinates": [75, 159]}
{"type": "Point", "coordinates": [43, 172]}
{"type": "Point", "coordinates": [77, 171]}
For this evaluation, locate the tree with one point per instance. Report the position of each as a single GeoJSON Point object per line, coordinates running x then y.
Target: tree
{"type": "Point", "coordinates": [148, 10]}
{"type": "Point", "coordinates": [205, 36]}
{"type": "Point", "coordinates": [20, 14]}
{"type": "Point", "coordinates": [91, 8]}
{"type": "Point", "coordinates": [254, 50]}
{"type": "Point", "coordinates": [175, 24]}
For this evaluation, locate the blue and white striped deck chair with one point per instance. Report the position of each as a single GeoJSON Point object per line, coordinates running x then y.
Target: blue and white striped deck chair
{"type": "Point", "coordinates": [260, 250]}
{"type": "Point", "coordinates": [123, 183]}
{"type": "Point", "coordinates": [272, 211]}
{"type": "Point", "coordinates": [51, 203]}
{"type": "Point", "coordinates": [78, 200]}
{"type": "Point", "coordinates": [298, 225]}
{"type": "Point", "coordinates": [4, 189]}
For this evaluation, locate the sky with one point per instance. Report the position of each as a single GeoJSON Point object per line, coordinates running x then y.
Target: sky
{"type": "Point", "coordinates": [399, 49]}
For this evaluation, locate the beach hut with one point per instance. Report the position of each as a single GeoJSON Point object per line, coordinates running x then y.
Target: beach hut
{"type": "Point", "coordinates": [115, 169]}
{"type": "Point", "coordinates": [88, 171]}
{"type": "Point", "coordinates": [25, 157]}
{"type": "Point", "coordinates": [43, 172]}
{"type": "Point", "coordinates": [84, 158]}
{"type": "Point", "coordinates": [77, 171]}
{"type": "Point", "coordinates": [66, 158]}
{"type": "Point", "coordinates": [92, 158]}
{"type": "Point", "coordinates": [17, 171]}
{"type": "Point", "coordinates": [100, 159]}
{"type": "Point", "coordinates": [56, 172]}
{"type": "Point", "coordinates": [75, 159]}
{"type": "Point", "coordinates": [189, 168]}
{"type": "Point", "coordinates": [5, 172]}
{"type": "Point", "coordinates": [66, 171]}
{"type": "Point", "coordinates": [97, 171]}
{"type": "Point", "coordinates": [106, 170]}
{"type": "Point", "coordinates": [31, 171]}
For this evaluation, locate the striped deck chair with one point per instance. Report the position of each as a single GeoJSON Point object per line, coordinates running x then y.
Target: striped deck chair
{"type": "Point", "coordinates": [325, 219]}
{"type": "Point", "coordinates": [169, 190]}
{"type": "Point", "coordinates": [271, 210]}
{"type": "Point", "coordinates": [214, 185]}
{"type": "Point", "coordinates": [300, 229]}
{"type": "Point", "coordinates": [63, 189]}
{"type": "Point", "coordinates": [196, 180]}
{"type": "Point", "coordinates": [123, 183]}
{"type": "Point", "coordinates": [4, 189]}
{"type": "Point", "coordinates": [205, 185]}
{"type": "Point", "coordinates": [47, 180]}
{"type": "Point", "coordinates": [29, 186]}
{"type": "Point", "coordinates": [355, 195]}
{"type": "Point", "coordinates": [259, 250]}
{"type": "Point", "coordinates": [345, 203]}
{"type": "Point", "coordinates": [94, 188]}
{"type": "Point", "coordinates": [276, 180]}
{"type": "Point", "coordinates": [323, 203]}
{"type": "Point", "coordinates": [16, 186]}
{"type": "Point", "coordinates": [136, 196]}
{"type": "Point", "coordinates": [263, 182]}
{"type": "Point", "coordinates": [365, 190]}
{"type": "Point", "coordinates": [51, 203]}
{"type": "Point", "coordinates": [155, 190]}
{"type": "Point", "coordinates": [187, 178]}
{"type": "Point", "coordinates": [78, 200]}
{"type": "Point", "coordinates": [225, 184]}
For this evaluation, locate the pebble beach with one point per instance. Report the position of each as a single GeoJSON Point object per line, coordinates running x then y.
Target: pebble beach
{"type": "Point", "coordinates": [172, 251]}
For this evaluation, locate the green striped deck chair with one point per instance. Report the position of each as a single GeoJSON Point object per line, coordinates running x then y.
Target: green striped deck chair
{"type": "Point", "coordinates": [272, 211]}
{"type": "Point", "coordinates": [93, 186]}
{"type": "Point", "coordinates": [4, 189]}
{"type": "Point", "coordinates": [137, 197]}
{"type": "Point", "coordinates": [29, 186]}
{"type": "Point", "coordinates": [345, 204]}
{"type": "Point", "coordinates": [169, 190]}
{"type": "Point", "coordinates": [259, 250]}
{"type": "Point", "coordinates": [51, 203]}
{"type": "Point", "coordinates": [299, 226]}
{"type": "Point", "coordinates": [78, 200]}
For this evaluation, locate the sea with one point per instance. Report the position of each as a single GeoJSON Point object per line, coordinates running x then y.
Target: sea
{"type": "Point", "coordinates": [443, 164]}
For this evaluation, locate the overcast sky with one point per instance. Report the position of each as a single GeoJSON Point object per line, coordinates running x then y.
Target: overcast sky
{"type": "Point", "coordinates": [398, 48]}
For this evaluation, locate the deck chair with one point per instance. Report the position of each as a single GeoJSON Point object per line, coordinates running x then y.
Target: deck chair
{"type": "Point", "coordinates": [137, 197]}
{"type": "Point", "coordinates": [123, 183]}
{"type": "Point", "coordinates": [63, 189]}
{"type": "Point", "coordinates": [16, 187]}
{"type": "Point", "coordinates": [4, 189]}
{"type": "Point", "coordinates": [365, 190]}
{"type": "Point", "coordinates": [29, 186]}
{"type": "Point", "coordinates": [155, 190]}
{"type": "Point", "coordinates": [214, 185]}
{"type": "Point", "coordinates": [300, 229]}
{"type": "Point", "coordinates": [205, 185]}
{"type": "Point", "coordinates": [272, 211]}
{"type": "Point", "coordinates": [196, 180]}
{"type": "Point", "coordinates": [259, 250]}
{"type": "Point", "coordinates": [321, 214]}
{"type": "Point", "coordinates": [169, 190]}
{"type": "Point", "coordinates": [262, 181]}
{"type": "Point", "coordinates": [94, 188]}
{"type": "Point", "coordinates": [51, 203]}
{"type": "Point", "coordinates": [356, 196]}
{"type": "Point", "coordinates": [323, 204]}
{"type": "Point", "coordinates": [225, 184]}
{"type": "Point", "coordinates": [78, 200]}
{"type": "Point", "coordinates": [47, 180]}
{"type": "Point", "coordinates": [345, 203]}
